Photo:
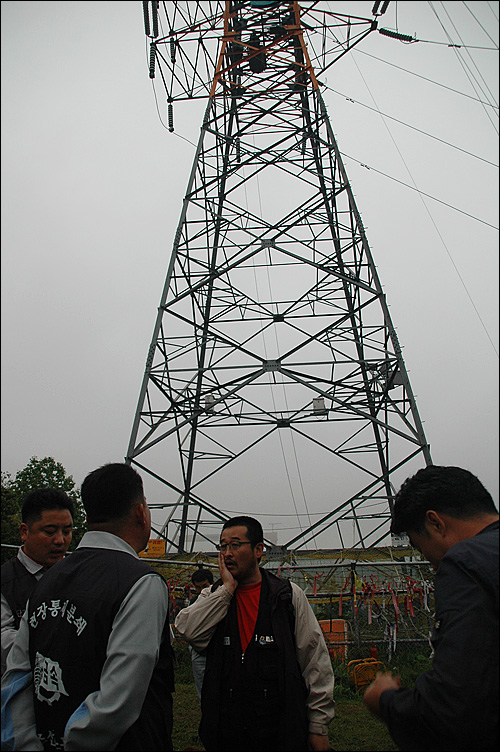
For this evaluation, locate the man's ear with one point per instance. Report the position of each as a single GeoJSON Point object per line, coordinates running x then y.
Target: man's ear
{"type": "Point", "coordinates": [23, 531]}
{"type": "Point", "coordinates": [259, 549]}
{"type": "Point", "coordinates": [139, 513]}
{"type": "Point", "coordinates": [436, 522]}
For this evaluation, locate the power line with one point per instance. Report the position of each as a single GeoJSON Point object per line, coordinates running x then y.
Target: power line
{"type": "Point", "coordinates": [494, 14]}
{"type": "Point", "coordinates": [422, 193]}
{"type": "Point", "coordinates": [453, 146]}
{"type": "Point", "coordinates": [459, 46]}
{"type": "Point", "coordinates": [480, 25]}
{"type": "Point", "coordinates": [369, 167]}
{"type": "Point", "coordinates": [424, 78]}
{"type": "Point", "coordinates": [472, 60]}
{"type": "Point", "coordinates": [469, 74]}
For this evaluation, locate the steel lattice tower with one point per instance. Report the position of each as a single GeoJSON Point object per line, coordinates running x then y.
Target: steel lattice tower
{"type": "Point", "coordinates": [272, 318]}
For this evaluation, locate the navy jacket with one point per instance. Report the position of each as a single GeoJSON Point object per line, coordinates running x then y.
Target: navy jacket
{"type": "Point", "coordinates": [455, 705]}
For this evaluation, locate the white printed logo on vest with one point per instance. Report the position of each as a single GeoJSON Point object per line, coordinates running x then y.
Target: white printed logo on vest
{"type": "Point", "coordinates": [48, 680]}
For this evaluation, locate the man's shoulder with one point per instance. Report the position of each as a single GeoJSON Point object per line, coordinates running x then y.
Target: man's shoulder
{"type": "Point", "coordinates": [134, 562]}
{"type": "Point", "coordinates": [486, 542]}
{"type": "Point", "coordinates": [9, 564]}
{"type": "Point", "coordinates": [84, 559]}
{"type": "Point", "coordinates": [111, 553]}
{"type": "Point", "coordinates": [277, 589]}
{"type": "Point", "coordinates": [277, 582]}
{"type": "Point", "coordinates": [12, 568]}
{"type": "Point", "coordinates": [478, 554]}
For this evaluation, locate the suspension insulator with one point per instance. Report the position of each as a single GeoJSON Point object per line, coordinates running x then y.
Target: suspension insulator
{"type": "Point", "coordinates": [154, 13]}
{"type": "Point", "coordinates": [172, 50]}
{"type": "Point", "coordinates": [171, 117]}
{"type": "Point", "coordinates": [152, 58]}
{"type": "Point", "coordinates": [396, 35]}
{"type": "Point", "coordinates": [375, 9]}
{"type": "Point", "coordinates": [146, 18]}
{"type": "Point", "coordinates": [238, 150]}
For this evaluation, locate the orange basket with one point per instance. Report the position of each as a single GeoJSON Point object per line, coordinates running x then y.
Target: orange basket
{"type": "Point", "coordinates": [363, 671]}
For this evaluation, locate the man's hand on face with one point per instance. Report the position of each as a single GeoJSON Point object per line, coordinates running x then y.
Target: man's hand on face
{"type": "Point", "coordinates": [227, 578]}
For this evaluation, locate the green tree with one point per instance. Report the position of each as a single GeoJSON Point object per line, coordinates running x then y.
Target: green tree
{"type": "Point", "coordinates": [11, 516]}
{"type": "Point", "coordinates": [38, 473]}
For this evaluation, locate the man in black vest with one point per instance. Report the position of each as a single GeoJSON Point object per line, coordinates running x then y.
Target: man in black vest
{"type": "Point", "coordinates": [45, 530]}
{"type": "Point", "coordinates": [268, 681]}
{"type": "Point", "coordinates": [451, 518]}
{"type": "Point", "coordinates": [91, 668]}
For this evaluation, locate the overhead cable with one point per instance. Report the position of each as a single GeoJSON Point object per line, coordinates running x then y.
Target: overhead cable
{"type": "Point", "coordinates": [373, 109]}
{"type": "Point", "coordinates": [422, 193]}
{"type": "Point", "coordinates": [468, 72]}
{"type": "Point", "coordinates": [424, 78]}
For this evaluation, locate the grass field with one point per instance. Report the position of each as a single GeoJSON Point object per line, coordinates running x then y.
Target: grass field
{"type": "Point", "coordinates": [353, 727]}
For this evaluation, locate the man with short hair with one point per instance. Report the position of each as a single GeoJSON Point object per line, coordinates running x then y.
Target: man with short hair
{"type": "Point", "coordinates": [46, 531]}
{"type": "Point", "coordinates": [91, 668]}
{"type": "Point", "coordinates": [450, 517]}
{"type": "Point", "coordinates": [268, 681]}
{"type": "Point", "coordinates": [201, 579]}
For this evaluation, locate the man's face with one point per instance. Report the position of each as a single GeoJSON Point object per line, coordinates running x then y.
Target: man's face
{"type": "Point", "coordinates": [429, 544]}
{"type": "Point", "coordinates": [47, 540]}
{"type": "Point", "coordinates": [242, 562]}
{"type": "Point", "coordinates": [199, 586]}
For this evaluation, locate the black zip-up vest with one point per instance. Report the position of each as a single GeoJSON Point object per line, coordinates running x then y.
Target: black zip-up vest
{"type": "Point", "coordinates": [71, 612]}
{"type": "Point", "coordinates": [17, 586]}
{"type": "Point", "coordinates": [255, 701]}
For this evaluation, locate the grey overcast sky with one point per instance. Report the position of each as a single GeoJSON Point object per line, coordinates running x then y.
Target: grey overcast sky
{"type": "Point", "coordinates": [92, 185]}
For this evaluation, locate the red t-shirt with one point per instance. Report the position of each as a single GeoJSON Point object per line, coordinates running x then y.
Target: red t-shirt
{"type": "Point", "coordinates": [247, 604]}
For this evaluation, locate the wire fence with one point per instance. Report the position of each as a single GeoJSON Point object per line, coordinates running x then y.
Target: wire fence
{"type": "Point", "coordinates": [383, 603]}
{"type": "Point", "coordinates": [374, 600]}
{"type": "Point", "coordinates": [376, 605]}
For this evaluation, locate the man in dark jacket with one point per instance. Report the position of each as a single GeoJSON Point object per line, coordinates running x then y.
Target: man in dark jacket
{"type": "Point", "coordinates": [268, 681]}
{"type": "Point", "coordinates": [46, 531]}
{"type": "Point", "coordinates": [91, 667]}
{"type": "Point", "coordinates": [450, 517]}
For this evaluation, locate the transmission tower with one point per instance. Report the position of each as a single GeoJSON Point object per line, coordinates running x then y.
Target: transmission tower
{"type": "Point", "coordinates": [272, 328]}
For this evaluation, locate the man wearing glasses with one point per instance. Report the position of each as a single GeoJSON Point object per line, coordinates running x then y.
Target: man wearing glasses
{"type": "Point", "coordinates": [268, 681]}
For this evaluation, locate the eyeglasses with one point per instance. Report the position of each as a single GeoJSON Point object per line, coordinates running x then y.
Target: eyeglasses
{"type": "Point", "coordinates": [233, 546]}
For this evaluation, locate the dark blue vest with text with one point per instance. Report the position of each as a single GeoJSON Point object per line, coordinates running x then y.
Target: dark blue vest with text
{"type": "Point", "coordinates": [71, 612]}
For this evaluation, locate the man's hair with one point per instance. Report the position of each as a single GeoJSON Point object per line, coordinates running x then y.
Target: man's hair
{"type": "Point", "coordinates": [255, 533]}
{"type": "Point", "coordinates": [450, 490]}
{"type": "Point", "coordinates": [41, 499]}
{"type": "Point", "coordinates": [110, 492]}
{"type": "Point", "coordinates": [201, 575]}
